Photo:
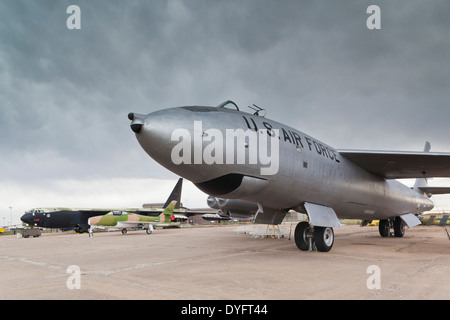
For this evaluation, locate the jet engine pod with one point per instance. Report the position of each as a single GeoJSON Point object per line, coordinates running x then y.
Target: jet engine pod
{"type": "Point", "coordinates": [212, 202]}
{"type": "Point", "coordinates": [222, 202]}
{"type": "Point", "coordinates": [237, 208]}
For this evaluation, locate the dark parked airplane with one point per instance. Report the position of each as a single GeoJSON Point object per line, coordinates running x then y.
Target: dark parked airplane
{"type": "Point", "coordinates": [77, 219]}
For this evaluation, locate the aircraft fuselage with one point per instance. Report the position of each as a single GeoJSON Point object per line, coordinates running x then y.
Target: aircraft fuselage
{"type": "Point", "coordinates": [290, 169]}
{"type": "Point", "coordinates": [58, 218]}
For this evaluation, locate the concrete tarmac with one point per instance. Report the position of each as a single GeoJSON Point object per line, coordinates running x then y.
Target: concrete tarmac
{"type": "Point", "coordinates": [215, 262]}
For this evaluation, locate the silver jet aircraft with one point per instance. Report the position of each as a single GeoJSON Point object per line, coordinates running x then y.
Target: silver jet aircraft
{"type": "Point", "coordinates": [232, 154]}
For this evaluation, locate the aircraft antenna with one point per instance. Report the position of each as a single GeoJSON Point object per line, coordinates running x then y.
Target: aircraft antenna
{"type": "Point", "coordinates": [258, 110]}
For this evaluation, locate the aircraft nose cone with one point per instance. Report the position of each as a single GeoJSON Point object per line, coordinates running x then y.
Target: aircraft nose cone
{"type": "Point", "coordinates": [26, 218]}
{"type": "Point", "coordinates": [153, 132]}
{"type": "Point", "coordinates": [167, 136]}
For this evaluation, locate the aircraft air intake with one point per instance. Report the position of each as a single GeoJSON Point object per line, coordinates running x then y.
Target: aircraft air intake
{"type": "Point", "coordinates": [222, 202]}
{"type": "Point", "coordinates": [212, 202]}
{"type": "Point", "coordinates": [229, 183]}
{"type": "Point", "coordinates": [221, 185]}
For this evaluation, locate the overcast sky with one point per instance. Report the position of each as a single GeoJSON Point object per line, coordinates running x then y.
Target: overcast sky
{"type": "Point", "coordinates": [314, 65]}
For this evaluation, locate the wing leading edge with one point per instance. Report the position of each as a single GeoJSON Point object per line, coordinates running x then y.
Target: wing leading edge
{"type": "Point", "coordinates": [401, 165]}
{"type": "Point", "coordinates": [435, 190]}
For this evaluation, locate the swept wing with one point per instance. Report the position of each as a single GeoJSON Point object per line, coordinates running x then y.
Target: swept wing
{"type": "Point", "coordinates": [399, 165]}
{"type": "Point", "coordinates": [435, 190]}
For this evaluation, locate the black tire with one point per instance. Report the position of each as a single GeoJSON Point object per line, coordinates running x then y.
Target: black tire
{"type": "Point", "coordinates": [383, 228]}
{"type": "Point", "coordinates": [323, 238]}
{"type": "Point", "coordinates": [302, 234]}
{"type": "Point", "coordinates": [399, 227]}
{"type": "Point", "coordinates": [124, 231]}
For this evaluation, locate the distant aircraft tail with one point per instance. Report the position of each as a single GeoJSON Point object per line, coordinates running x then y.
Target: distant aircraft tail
{"type": "Point", "coordinates": [166, 215]}
{"type": "Point", "coordinates": [175, 195]}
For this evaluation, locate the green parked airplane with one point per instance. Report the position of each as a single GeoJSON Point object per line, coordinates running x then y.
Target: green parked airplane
{"type": "Point", "coordinates": [124, 220]}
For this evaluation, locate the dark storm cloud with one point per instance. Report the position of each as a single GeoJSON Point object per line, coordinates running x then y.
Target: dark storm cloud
{"type": "Point", "coordinates": [65, 94]}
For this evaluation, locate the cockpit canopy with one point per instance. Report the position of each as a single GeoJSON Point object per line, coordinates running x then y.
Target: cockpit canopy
{"type": "Point", "coordinates": [228, 105]}
{"type": "Point", "coordinates": [34, 211]}
{"type": "Point", "coordinates": [231, 105]}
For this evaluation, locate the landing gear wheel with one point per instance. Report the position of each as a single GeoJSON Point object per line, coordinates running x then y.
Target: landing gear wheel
{"type": "Point", "coordinates": [302, 235]}
{"type": "Point", "coordinates": [383, 228]}
{"type": "Point", "coordinates": [399, 227]}
{"type": "Point", "coordinates": [124, 231]}
{"type": "Point", "coordinates": [323, 238]}
{"type": "Point", "coordinates": [148, 230]}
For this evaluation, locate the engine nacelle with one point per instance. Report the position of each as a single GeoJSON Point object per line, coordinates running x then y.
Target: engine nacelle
{"type": "Point", "coordinates": [232, 207]}
{"type": "Point", "coordinates": [212, 202]}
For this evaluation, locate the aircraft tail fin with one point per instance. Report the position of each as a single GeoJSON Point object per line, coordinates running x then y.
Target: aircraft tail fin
{"type": "Point", "coordinates": [175, 195]}
{"type": "Point", "coordinates": [167, 213]}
